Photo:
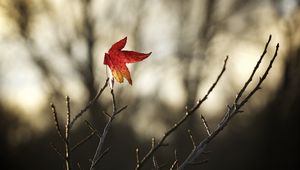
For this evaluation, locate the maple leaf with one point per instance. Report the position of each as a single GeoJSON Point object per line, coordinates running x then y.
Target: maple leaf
{"type": "Point", "coordinates": [116, 59]}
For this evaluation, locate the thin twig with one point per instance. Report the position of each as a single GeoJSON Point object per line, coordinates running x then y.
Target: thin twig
{"type": "Point", "coordinates": [152, 142]}
{"type": "Point", "coordinates": [103, 154]}
{"type": "Point", "coordinates": [91, 102]}
{"type": "Point", "coordinates": [261, 79]}
{"type": "Point", "coordinates": [106, 114]}
{"type": "Point", "coordinates": [155, 163]}
{"type": "Point", "coordinates": [56, 150]}
{"type": "Point", "coordinates": [205, 125]}
{"type": "Point", "coordinates": [67, 135]}
{"type": "Point", "coordinates": [239, 95]}
{"type": "Point", "coordinates": [137, 156]}
{"type": "Point", "coordinates": [56, 122]}
{"type": "Point", "coordinates": [120, 110]}
{"type": "Point", "coordinates": [93, 128]}
{"type": "Point", "coordinates": [230, 113]}
{"type": "Point", "coordinates": [192, 139]}
{"type": "Point", "coordinates": [176, 158]}
{"type": "Point", "coordinates": [187, 114]}
{"type": "Point", "coordinates": [174, 164]}
{"type": "Point", "coordinates": [83, 141]}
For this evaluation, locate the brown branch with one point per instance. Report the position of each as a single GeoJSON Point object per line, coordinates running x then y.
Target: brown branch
{"type": "Point", "coordinates": [92, 102]}
{"type": "Point", "coordinates": [231, 112]}
{"type": "Point", "coordinates": [188, 113]}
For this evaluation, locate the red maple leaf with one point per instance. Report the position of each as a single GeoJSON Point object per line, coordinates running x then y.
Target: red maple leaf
{"type": "Point", "coordinates": [116, 59]}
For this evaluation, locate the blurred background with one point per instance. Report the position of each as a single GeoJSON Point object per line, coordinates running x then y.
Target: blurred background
{"type": "Point", "coordinates": [53, 48]}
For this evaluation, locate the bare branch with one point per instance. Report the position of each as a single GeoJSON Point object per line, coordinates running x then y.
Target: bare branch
{"type": "Point", "coordinates": [106, 130]}
{"type": "Point", "coordinates": [211, 88]}
{"type": "Point", "coordinates": [239, 95]}
{"type": "Point", "coordinates": [257, 87]}
{"type": "Point", "coordinates": [231, 112]}
{"type": "Point", "coordinates": [183, 119]}
{"type": "Point", "coordinates": [92, 102]}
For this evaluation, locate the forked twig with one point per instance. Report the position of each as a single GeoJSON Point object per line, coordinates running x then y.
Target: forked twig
{"type": "Point", "coordinates": [69, 124]}
{"type": "Point", "coordinates": [97, 155]}
{"type": "Point", "coordinates": [239, 95]}
{"type": "Point", "coordinates": [261, 79]}
{"type": "Point", "coordinates": [64, 138]}
{"type": "Point", "coordinates": [92, 128]}
{"type": "Point", "coordinates": [230, 113]}
{"type": "Point", "coordinates": [188, 113]}
{"type": "Point", "coordinates": [103, 154]}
